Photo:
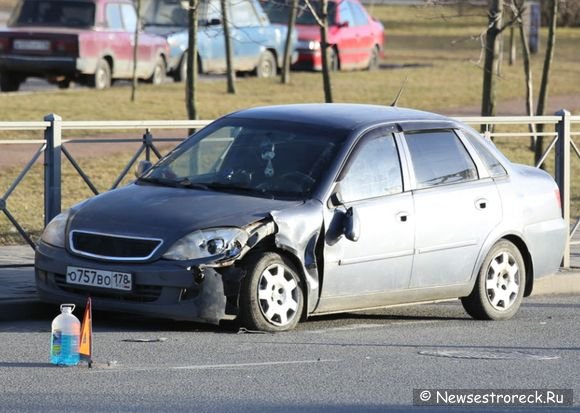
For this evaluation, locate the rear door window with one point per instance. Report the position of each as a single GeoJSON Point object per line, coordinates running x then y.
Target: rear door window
{"type": "Point", "coordinates": [129, 17]}
{"type": "Point", "coordinates": [439, 158]}
{"type": "Point", "coordinates": [114, 20]}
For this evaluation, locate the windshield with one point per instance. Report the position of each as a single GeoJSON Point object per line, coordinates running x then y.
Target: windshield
{"type": "Point", "coordinates": [278, 12]}
{"type": "Point", "coordinates": [261, 158]}
{"type": "Point", "coordinates": [54, 13]}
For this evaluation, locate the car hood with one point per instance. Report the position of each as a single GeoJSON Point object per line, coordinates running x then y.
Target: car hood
{"type": "Point", "coordinates": [169, 213]}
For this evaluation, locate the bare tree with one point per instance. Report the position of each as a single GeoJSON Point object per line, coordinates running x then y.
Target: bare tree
{"type": "Point", "coordinates": [492, 48]}
{"type": "Point", "coordinates": [191, 72]}
{"type": "Point", "coordinates": [543, 95]}
{"type": "Point", "coordinates": [326, 50]}
{"type": "Point", "coordinates": [228, 43]}
{"type": "Point", "coordinates": [135, 50]}
{"type": "Point", "coordinates": [285, 78]}
{"type": "Point", "coordinates": [518, 11]}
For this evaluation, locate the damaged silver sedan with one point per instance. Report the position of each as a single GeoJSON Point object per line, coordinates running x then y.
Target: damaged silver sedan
{"type": "Point", "coordinates": [274, 214]}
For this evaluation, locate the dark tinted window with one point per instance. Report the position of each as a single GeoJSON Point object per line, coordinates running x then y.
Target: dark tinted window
{"type": "Point", "coordinates": [54, 13]}
{"type": "Point", "coordinates": [114, 20]}
{"type": "Point", "coordinates": [375, 171]}
{"type": "Point", "coordinates": [481, 147]}
{"type": "Point", "coordinates": [439, 158]}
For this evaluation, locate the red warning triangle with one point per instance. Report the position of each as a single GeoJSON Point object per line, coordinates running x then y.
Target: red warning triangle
{"type": "Point", "coordinates": [86, 344]}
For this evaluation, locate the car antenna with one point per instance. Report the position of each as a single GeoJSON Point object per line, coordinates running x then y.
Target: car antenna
{"type": "Point", "coordinates": [394, 104]}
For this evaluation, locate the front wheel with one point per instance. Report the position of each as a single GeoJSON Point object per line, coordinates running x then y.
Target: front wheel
{"type": "Point", "coordinates": [499, 288]}
{"type": "Point", "coordinates": [271, 297]}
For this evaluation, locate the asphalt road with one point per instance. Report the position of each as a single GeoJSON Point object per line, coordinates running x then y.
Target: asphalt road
{"type": "Point", "coordinates": [355, 362]}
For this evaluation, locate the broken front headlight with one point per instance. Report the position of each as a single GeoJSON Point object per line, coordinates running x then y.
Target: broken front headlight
{"type": "Point", "coordinates": [208, 243]}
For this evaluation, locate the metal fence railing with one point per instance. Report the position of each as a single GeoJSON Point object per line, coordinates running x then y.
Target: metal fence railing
{"type": "Point", "coordinates": [55, 150]}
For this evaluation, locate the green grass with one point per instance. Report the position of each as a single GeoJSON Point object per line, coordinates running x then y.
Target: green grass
{"type": "Point", "coordinates": [449, 47]}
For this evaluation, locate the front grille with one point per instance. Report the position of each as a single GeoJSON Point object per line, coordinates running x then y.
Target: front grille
{"type": "Point", "coordinates": [113, 247]}
{"type": "Point", "coordinates": [140, 293]}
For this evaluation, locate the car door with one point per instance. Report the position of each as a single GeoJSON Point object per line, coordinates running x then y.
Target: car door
{"type": "Point", "coordinates": [248, 34]}
{"type": "Point", "coordinates": [360, 274]}
{"type": "Point", "coordinates": [211, 41]}
{"type": "Point", "coordinates": [146, 58]}
{"type": "Point", "coordinates": [456, 206]}
{"type": "Point", "coordinates": [345, 36]}
{"type": "Point", "coordinates": [117, 42]}
{"type": "Point", "coordinates": [363, 33]}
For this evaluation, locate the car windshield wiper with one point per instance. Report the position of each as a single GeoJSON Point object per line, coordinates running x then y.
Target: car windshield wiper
{"type": "Point", "coordinates": [188, 183]}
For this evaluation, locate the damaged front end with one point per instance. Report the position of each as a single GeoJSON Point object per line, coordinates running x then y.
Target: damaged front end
{"type": "Point", "coordinates": [292, 232]}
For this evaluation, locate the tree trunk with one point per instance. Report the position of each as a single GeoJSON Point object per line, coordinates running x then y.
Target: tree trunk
{"type": "Point", "coordinates": [191, 72]}
{"type": "Point", "coordinates": [527, 70]}
{"type": "Point", "coordinates": [325, 50]}
{"type": "Point", "coordinates": [491, 57]}
{"type": "Point", "coordinates": [229, 54]}
{"type": "Point", "coordinates": [135, 50]}
{"type": "Point", "coordinates": [512, 60]}
{"type": "Point", "coordinates": [288, 47]}
{"type": "Point", "coordinates": [543, 96]}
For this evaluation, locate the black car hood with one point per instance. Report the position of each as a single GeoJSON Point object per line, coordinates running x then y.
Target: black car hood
{"type": "Point", "coordinates": [169, 213]}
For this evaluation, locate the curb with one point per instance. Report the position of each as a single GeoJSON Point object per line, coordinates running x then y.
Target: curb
{"type": "Point", "coordinates": [563, 282]}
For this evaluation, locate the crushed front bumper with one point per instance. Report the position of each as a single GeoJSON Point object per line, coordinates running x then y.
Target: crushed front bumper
{"type": "Point", "coordinates": [160, 289]}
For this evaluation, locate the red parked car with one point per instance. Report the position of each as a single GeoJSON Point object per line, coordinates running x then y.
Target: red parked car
{"type": "Point", "coordinates": [86, 41]}
{"type": "Point", "coordinates": [356, 38]}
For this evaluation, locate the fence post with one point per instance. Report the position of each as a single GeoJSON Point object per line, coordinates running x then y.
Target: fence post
{"type": "Point", "coordinates": [563, 128]}
{"type": "Point", "coordinates": [52, 167]}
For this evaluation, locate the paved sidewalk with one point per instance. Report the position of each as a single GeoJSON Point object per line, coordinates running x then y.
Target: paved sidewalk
{"type": "Point", "coordinates": [18, 298]}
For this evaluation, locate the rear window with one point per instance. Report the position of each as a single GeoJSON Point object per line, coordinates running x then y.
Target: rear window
{"type": "Point", "coordinates": [494, 167]}
{"type": "Point", "coordinates": [439, 158]}
{"type": "Point", "coordinates": [54, 13]}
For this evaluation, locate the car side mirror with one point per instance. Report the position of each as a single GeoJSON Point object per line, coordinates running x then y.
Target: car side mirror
{"type": "Point", "coordinates": [142, 167]}
{"type": "Point", "coordinates": [343, 25]}
{"type": "Point", "coordinates": [351, 225]}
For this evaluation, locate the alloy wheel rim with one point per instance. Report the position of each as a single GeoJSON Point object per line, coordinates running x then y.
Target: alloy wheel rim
{"type": "Point", "coordinates": [278, 295]}
{"type": "Point", "coordinates": [503, 281]}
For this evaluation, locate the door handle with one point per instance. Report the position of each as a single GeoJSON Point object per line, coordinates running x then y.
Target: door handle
{"type": "Point", "coordinates": [481, 203]}
{"type": "Point", "coordinates": [403, 216]}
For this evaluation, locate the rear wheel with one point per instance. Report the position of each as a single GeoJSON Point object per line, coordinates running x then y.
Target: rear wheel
{"type": "Point", "coordinates": [63, 84]}
{"type": "Point", "coordinates": [158, 75]}
{"type": "Point", "coordinates": [180, 73]}
{"type": "Point", "coordinates": [267, 66]}
{"type": "Point", "coordinates": [102, 76]}
{"type": "Point", "coordinates": [333, 63]}
{"type": "Point", "coordinates": [374, 60]}
{"type": "Point", "coordinates": [9, 82]}
{"type": "Point", "coordinates": [499, 289]}
{"type": "Point", "coordinates": [271, 297]}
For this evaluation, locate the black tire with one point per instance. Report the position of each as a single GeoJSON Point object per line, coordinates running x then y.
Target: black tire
{"type": "Point", "coordinates": [9, 82]}
{"type": "Point", "coordinates": [374, 60]}
{"type": "Point", "coordinates": [101, 79]}
{"type": "Point", "coordinates": [499, 288]}
{"type": "Point", "coordinates": [271, 295]}
{"type": "Point", "coordinates": [159, 72]}
{"type": "Point", "coordinates": [267, 66]}
{"type": "Point", "coordinates": [63, 84]}
{"type": "Point", "coordinates": [180, 73]}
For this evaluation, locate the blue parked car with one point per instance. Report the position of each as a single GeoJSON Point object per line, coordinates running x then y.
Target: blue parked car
{"type": "Point", "coordinates": [257, 45]}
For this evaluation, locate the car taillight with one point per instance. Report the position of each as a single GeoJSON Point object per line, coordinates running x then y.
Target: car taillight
{"type": "Point", "coordinates": [558, 198]}
{"type": "Point", "coordinates": [4, 44]}
{"type": "Point", "coordinates": [66, 46]}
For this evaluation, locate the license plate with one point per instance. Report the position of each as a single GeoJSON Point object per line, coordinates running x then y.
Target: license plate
{"type": "Point", "coordinates": [36, 45]}
{"type": "Point", "coordinates": [99, 278]}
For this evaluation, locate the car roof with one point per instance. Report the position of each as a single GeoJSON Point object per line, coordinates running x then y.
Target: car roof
{"type": "Point", "coordinates": [347, 116]}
